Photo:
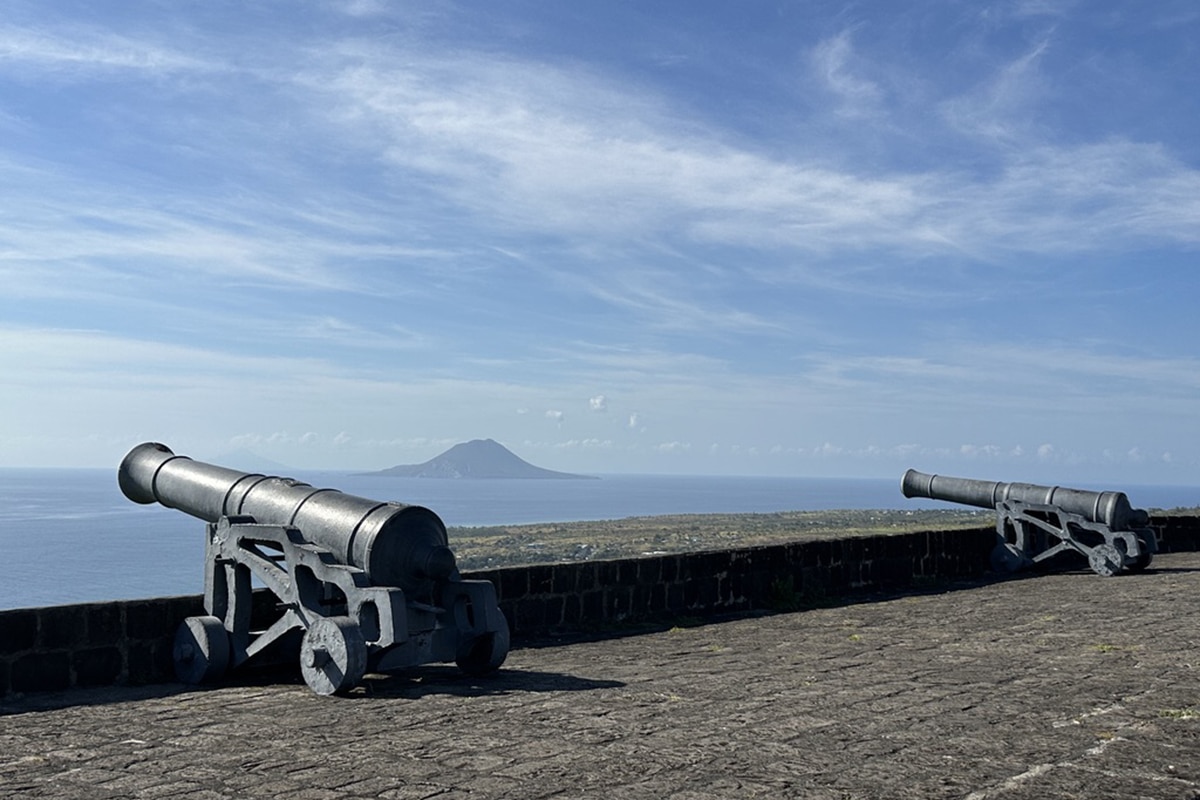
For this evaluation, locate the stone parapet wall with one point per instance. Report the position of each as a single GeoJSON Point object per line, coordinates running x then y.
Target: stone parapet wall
{"type": "Point", "coordinates": [129, 642]}
{"type": "Point", "coordinates": [91, 644]}
{"type": "Point", "coordinates": [591, 595]}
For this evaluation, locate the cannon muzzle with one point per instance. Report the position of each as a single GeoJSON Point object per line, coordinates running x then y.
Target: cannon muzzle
{"type": "Point", "coordinates": [1107, 508]}
{"type": "Point", "coordinates": [393, 543]}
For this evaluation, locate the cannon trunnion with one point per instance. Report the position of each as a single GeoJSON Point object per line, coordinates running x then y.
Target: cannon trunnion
{"type": "Point", "coordinates": [1037, 523]}
{"type": "Point", "coordinates": [371, 586]}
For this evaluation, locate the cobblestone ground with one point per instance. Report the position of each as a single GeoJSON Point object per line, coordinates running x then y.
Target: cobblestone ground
{"type": "Point", "coordinates": [1068, 685]}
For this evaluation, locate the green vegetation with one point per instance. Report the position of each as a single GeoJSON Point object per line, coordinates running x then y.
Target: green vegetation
{"type": "Point", "coordinates": [484, 547]}
{"type": "Point", "coordinates": [1190, 712]}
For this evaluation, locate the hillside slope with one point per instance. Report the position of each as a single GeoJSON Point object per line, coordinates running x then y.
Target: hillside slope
{"type": "Point", "coordinates": [480, 458]}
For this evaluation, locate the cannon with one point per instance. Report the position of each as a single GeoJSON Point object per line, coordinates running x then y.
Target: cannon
{"type": "Point", "coordinates": [1037, 523]}
{"type": "Point", "coordinates": [367, 586]}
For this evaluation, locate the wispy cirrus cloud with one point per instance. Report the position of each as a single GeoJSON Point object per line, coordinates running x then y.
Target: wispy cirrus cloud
{"type": "Point", "coordinates": [80, 50]}
{"type": "Point", "coordinates": [834, 61]}
{"type": "Point", "coordinates": [562, 152]}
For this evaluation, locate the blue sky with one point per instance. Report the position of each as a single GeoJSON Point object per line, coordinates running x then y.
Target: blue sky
{"type": "Point", "coordinates": [681, 237]}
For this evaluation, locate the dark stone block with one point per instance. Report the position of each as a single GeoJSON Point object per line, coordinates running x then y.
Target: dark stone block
{"type": "Point", "coordinates": [658, 598]}
{"type": "Point", "coordinates": [606, 574]}
{"type": "Point", "coordinates": [675, 598]}
{"type": "Point", "coordinates": [720, 563]}
{"type": "Point", "coordinates": [62, 627]}
{"type": "Point", "coordinates": [627, 572]}
{"type": "Point", "coordinates": [893, 572]}
{"type": "Point", "coordinates": [531, 615]}
{"type": "Point", "coordinates": [853, 550]}
{"type": "Point", "coordinates": [18, 631]}
{"type": "Point", "coordinates": [839, 581]}
{"type": "Point", "coordinates": [700, 594]}
{"type": "Point", "coordinates": [694, 565]}
{"type": "Point", "coordinates": [720, 593]}
{"type": "Point", "coordinates": [743, 561]}
{"type": "Point", "coordinates": [553, 610]}
{"type": "Point", "coordinates": [513, 583]}
{"type": "Point", "coordinates": [706, 565]}
{"type": "Point", "coordinates": [104, 626]}
{"type": "Point", "coordinates": [790, 553]}
{"type": "Point", "coordinates": [818, 553]}
{"type": "Point", "coordinates": [4, 682]}
{"type": "Point", "coordinates": [740, 585]}
{"type": "Point", "coordinates": [650, 570]}
{"type": "Point", "coordinates": [619, 604]}
{"type": "Point", "coordinates": [41, 672]}
{"type": "Point", "coordinates": [541, 579]}
{"type": "Point", "coordinates": [147, 620]}
{"type": "Point", "coordinates": [592, 603]}
{"type": "Point", "coordinates": [865, 571]}
{"type": "Point", "coordinates": [641, 599]}
{"type": "Point", "coordinates": [670, 569]}
{"type": "Point", "coordinates": [585, 577]}
{"type": "Point", "coordinates": [907, 546]}
{"type": "Point", "coordinates": [566, 577]}
{"type": "Point", "coordinates": [149, 662]}
{"type": "Point", "coordinates": [100, 666]}
{"type": "Point", "coordinates": [572, 610]}
{"type": "Point", "coordinates": [1177, 533]}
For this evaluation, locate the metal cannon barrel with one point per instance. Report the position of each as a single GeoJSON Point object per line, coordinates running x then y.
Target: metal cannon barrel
{"type": "Point", "coordinates": [393, 543]}
{"type": "Point", "coordinates": [1107, 508]}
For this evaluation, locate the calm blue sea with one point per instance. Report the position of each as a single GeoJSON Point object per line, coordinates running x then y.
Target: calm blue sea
{"type": "Point", "coordinates": [69, 536]}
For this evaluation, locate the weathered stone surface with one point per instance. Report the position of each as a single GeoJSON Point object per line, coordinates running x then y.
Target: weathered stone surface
{"type": "Point", "coordinates": [41, 672]}
{"type": "Point", "coordinates": [98, 666]}
{"type": "Point", "coordinates": [1065, 685]}
{"type": "Point", "coordinates": [103, 624]}
{"type": "Point", "coordinates": [62, 627]}
{"type": "Point", "coordinates": [18, 630]}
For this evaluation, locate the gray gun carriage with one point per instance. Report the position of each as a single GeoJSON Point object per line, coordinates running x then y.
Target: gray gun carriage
{"type": "Point", "coordinates": [1035, 524]}
{"type": "Point", "coordinates": [370, 586]}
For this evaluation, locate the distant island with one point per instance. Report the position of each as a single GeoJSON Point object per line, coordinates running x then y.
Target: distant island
{"type": "Point", "coordinates": [479, 458]}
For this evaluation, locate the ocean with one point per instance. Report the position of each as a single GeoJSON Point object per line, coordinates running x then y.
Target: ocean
{"type": "Point", "coordinates": [70, 536]}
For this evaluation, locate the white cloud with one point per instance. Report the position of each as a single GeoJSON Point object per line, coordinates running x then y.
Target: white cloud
{"type": "Point", "coordinates": [86, 49]}
{"type": "Point", "coordinates": [585, 444]}
{"type": "Point", "coordinates": [834, 60]}
{"type": "Point", "coordinates": [598, 403]}
{"type": "Point", "coordinates": [564, 152]}
{"type": "Point", "coordinates": [1003, 108]}
{"type": "Point", "coordinates": [977, 451]}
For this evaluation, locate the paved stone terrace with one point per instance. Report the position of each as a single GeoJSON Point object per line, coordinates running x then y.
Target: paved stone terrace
{"type": "Point", "coordinates": [1067, 685]}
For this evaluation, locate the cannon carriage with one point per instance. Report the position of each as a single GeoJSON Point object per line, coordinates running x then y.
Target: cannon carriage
{"type": "Point", "coordinates": [1035, 524]}
{"type": "Point", "coordinates": [369, 586]}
